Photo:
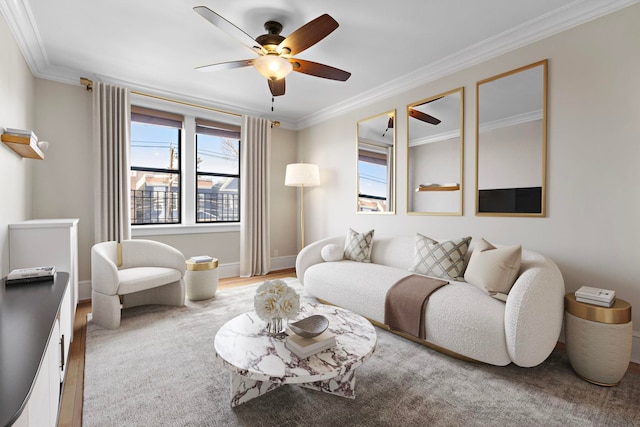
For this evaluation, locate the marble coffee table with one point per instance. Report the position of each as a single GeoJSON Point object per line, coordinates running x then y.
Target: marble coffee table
{"type": "Point", "coordinates": [260, 363]}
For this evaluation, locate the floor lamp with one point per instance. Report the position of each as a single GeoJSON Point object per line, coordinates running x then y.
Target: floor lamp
{"type": "Point", "coordinates": [302, 175]}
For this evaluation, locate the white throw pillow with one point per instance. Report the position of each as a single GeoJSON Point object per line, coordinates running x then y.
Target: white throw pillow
{"type": "Point", "coordinates": [332, 252]}
{"type": "Point", "coordinates": [440, 259]}
{"type": "Point", "coordinates": [493, 270]}
{"type": "Point", "coordinates": [357, 246]}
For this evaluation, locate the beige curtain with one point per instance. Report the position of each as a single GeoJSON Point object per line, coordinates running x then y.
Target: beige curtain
{"type": "Point", "coordinates": [111, 129]}
{"type": "Point", "coordinates": [254, 200]}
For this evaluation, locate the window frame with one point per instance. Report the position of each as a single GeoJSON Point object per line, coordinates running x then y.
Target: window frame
{"type": "Point", "coordinates": [188, 167]}
{"type": "Point", "coordinates": [221, 130]}
{"type": "Point", "coordinates": [153, 117]}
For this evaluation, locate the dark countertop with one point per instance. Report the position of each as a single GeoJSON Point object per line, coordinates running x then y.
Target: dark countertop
{"type": "Point", "coordinates": [27, 314]}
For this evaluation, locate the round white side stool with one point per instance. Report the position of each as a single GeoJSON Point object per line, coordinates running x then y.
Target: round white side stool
{"type": "Point", "coordinates": [598, 340]}
{"type": "Point", "coordinates": [201, 279]}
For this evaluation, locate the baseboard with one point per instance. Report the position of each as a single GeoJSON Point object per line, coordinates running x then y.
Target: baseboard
{"type": "Point", "coordinates": [224, 271]}
{"type": "Point", "coordinates": [84, 290]}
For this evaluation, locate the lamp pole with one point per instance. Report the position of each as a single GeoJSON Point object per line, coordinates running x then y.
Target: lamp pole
{"type": "Point", "coordinates": [302, 216]}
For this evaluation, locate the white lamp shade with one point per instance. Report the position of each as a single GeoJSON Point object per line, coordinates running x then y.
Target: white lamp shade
{"type": "Point", "coordinates": [302, 175]}
{"type": "Point", "coordinates": [272, 67]}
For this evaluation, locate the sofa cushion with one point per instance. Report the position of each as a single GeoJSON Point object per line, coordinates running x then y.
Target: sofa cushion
{"type": "Point", "coordinates": [332, 252]}
{"type": "Point", "coordinates": [493, 270]}
{"type": "Point", "coordinates": [357, 246]}
{"type": "Point", "coordinates": [440, 259]}
{"type": "Point", "coordinates": [457, 317]}
{"type": "Point", "coordinates": [141, 278]}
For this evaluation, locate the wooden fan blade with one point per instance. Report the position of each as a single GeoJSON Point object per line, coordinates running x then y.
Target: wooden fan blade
{"type": "Point", "coordinates": [319, 70]}
{"type": "Point", "coordinates": [308, 35]}
{"type": "Point", "coordinates": [226, 65]}
{"type": "Point", "coordinates": [390, 123]}
{"type": "Point", "coordinates": [277, 87]}
{"type": "Point", "coordinates": [423, 116]}
{"type": "Point", "coordinates": [229, 28]}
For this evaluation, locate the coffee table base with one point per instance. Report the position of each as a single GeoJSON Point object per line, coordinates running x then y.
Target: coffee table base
{"type": "Point", "coordinates": [244, 389]}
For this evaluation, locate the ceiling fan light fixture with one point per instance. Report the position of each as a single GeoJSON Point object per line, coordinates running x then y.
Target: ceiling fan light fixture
{"type": "Point", "coordinates": [272, 66]}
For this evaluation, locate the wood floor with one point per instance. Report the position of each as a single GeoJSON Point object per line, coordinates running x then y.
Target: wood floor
{"type": "Point", "coordinates": [71, 405]}
{"type": "Point", "coordinates": [72, 393]}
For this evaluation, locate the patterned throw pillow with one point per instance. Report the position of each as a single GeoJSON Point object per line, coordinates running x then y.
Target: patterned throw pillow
{"type": "Point", "coordinates": [357, 246]}
{"type": "Point", "coordinates": [444, 260]}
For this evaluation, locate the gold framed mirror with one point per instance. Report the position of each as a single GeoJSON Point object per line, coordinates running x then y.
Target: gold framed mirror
{"type": "Point", "coordinates": [511, 142]}
{"type": "Point", "coordinates": [435, 146]}
{"type": "Point", "coordinates": [376, 163]}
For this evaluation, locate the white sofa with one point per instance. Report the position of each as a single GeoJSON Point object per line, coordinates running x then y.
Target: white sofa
{"type": "Point", "coordinates": [460, 318]}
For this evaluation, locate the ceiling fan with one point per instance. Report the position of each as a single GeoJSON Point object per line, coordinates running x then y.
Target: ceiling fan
{"type": "Point", "coordinates": [416, 115]}
{"type": "Point", "coordinates": [275, 52]}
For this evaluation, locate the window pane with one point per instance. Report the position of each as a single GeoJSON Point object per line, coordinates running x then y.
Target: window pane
{"type": "Point", "coordinates": [155, 198]}
{"type": "Point", "coordinates": [154, 146]}
{"type": "Point", "coordinates": [218, 155]}
{"type": "Point", "coordinates": [217, 199]}
{"type": "Point", "coordinates": [373, 187]}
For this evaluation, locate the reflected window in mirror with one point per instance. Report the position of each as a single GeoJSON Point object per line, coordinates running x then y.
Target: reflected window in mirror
{"type": "Point", "coordinates": [511, 142]}
{"type": "Point", "coordinates": [376, 147]}
{"type": "Point", "coordinates": [435, 154]}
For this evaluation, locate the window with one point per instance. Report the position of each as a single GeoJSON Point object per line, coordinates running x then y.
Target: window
{"type": "Point", "coordinates": [373, 170]}
{"type": "Point", "coordinates": [185, 170]}
{"type": "Point", "coordinates": [217, 172]}
{"type": "Point", "coordinates": [155, 167]}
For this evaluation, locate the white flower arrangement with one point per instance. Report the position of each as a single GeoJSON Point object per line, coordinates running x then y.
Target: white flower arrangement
{"type": "Point", "coordinates": [276, 300]}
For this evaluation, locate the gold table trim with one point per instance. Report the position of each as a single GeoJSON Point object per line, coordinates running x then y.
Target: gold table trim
{"type": "Point", "coordinates": [202, 266]}
{"type": "Point", "coordinates": [618, 313]}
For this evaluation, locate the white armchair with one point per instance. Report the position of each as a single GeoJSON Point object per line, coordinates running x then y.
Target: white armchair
{"type": "Point", "coordinates": [151, 273]}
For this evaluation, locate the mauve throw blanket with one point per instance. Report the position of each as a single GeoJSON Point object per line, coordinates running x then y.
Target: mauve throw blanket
{"type": "Point", "coordinates": [406, 302]}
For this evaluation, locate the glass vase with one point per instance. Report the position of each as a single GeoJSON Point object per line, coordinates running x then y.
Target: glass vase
{"type": "Point", "coordinates": [276, 327]}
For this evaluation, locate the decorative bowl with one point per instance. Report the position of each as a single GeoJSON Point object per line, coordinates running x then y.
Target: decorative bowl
{"type": "Point", "coordinates": [310, 327]}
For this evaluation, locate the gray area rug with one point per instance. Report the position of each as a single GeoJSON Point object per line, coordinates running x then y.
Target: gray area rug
{"type": "Point", "coordinates": [159, 369]}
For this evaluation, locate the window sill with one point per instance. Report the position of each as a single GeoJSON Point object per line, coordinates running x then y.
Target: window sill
{"type": "Point", "coordinates": [177, 229]}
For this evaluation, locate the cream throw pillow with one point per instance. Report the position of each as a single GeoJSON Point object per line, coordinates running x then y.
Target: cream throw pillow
{"type": "Point", "coordinates": [332, 252]}
{"type": "Point", "coordinates": [357, 246]}
{"type": "Point", "coordinates": [440, 259]}
{"type": "Point", "coordinates": [493, 270]}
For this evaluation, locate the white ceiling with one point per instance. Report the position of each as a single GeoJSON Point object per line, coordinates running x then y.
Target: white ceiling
{"type": "Point", "coordinates": [154, 46]}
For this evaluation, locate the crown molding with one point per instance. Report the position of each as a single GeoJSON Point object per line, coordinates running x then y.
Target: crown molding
{"type": "Point", "coordinates": [514, 120]}
{"type": "Point", "coordinates": [443, 136]}
{"type": "Point", "coordinates": [562, 19]}
{"type": "Point", "coordinates": [22, 25]}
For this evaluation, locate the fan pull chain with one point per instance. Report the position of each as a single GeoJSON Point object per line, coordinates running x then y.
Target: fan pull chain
{"type": "Point", "coordinates": [272, 103]}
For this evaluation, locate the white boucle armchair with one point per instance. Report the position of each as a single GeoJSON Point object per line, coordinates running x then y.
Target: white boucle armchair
{"type": "Point", "coordinates": [150, 273]}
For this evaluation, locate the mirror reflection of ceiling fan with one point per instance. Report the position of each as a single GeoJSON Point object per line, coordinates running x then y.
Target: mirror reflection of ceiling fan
{"type": "Point", "coordinates": [424, 117]}
{"type": "Point", "coordinates": [275, 52]}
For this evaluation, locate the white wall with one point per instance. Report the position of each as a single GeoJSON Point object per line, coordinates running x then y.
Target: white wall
{"type": "Point", "coordinates": [16, 111]}
{"type": "Point", "coordinates": [591, 229]}
{"type": "Point", "coordinates": [62, 183]}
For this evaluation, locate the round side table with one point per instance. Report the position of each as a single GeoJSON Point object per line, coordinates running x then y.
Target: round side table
{"type": "Point", "coordinates": [598, 340]}
{"type": "Point", "coordinates": [201, 279]}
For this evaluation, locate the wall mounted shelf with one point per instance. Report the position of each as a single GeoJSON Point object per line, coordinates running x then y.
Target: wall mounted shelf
{"type": "Point", "coordinates": [440, 188]}
{"type": "Point", "coordinates": [26, 146]}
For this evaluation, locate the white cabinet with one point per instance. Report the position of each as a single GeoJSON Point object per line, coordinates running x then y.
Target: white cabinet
{"type": "Point", "coordinates": [41, 410]}
{"type": "Point", "coordinates": [40, 242]}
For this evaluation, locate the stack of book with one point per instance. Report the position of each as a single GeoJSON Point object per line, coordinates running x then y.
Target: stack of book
{"type": "Point", "coordinates": [33, 274]}
{"type": "Point", "coordinates": [597, 296]}
{"type": "Point", "coordinates": [305, 347]}
{"type": "Point", "coordinates": [201, 258]}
